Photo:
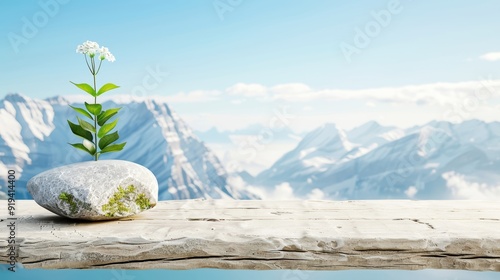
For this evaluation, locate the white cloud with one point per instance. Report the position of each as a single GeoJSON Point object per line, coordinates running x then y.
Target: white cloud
{"type": "Point", "coordinates": [247, 90]}
{"type": "Point", "coordinates": [462, 189]}
{"type": "Point", "coordinates": [238, 101]}
{"type": "Point", "coordinates": [284, 191]}
{"type": "Point", "coordinates": [397, 106]}
{"type": "Point", "coordinates": [316, 194]}
{"type": "Point", "coordinates": [491, 56]}
{"type": "Point", "coordinates": [427, 94]}
{"type": "Point", "coordinates": [307, 109]}
{"type": "Point", "coordinates": [293, 88]}
{"type": "Point", "coordinates": [194, 96]}
{"type": "Point", "coordinates": [223, 121]}
{"type": "Point", "coordinates": [411, 191]}
{"type": "Point", "coordinates": [250, 155]}
{"type": "Point", "coordinates": [370, 104]}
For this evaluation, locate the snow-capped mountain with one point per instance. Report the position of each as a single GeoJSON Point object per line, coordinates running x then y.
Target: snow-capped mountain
{"type": "Point", "coordinates": [326, 146]}
{"type": "Point", "coordinates": [373, 161]}
{"type": "Point", "coordinates": [35, 136]}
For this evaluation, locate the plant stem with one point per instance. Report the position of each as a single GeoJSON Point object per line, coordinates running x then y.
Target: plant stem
{"type": "Point", "coordinates": [87, 63]}
{"type": "Point", "coordinates": [95, 120]}
{"type": "Point", "coordinates": [99, 68]}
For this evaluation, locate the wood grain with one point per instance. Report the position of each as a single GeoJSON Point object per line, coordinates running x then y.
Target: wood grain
{"type": "Point", "coordinates": [231, 234]}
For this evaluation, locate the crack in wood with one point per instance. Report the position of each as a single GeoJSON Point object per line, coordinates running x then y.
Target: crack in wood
{"type": "Point", "coordinates": [416, 221]}
{"type": "Point", "coordinates": [481, 257]}
{"type": "Point", "coordinates": [40, 261]}
{"type": "Point", "coordinates": [166, 260]}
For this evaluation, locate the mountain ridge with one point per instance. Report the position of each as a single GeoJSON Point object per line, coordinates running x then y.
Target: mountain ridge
{"type": "Point", "coordinates": [379, 166]}
{"type": "Point", "coordinates": [38, 135]}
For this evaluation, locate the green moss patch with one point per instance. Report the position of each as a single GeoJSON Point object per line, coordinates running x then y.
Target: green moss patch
{"type": "Point", "coordinates": [119, 203]}
{"type": "Point", "coordinates": [143, 202]}
{"type": "Point", "coordinates": [74, 203]}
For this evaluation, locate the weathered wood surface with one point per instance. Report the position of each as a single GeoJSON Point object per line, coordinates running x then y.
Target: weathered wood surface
{"type": "Point", "coordinates": [314, 235]}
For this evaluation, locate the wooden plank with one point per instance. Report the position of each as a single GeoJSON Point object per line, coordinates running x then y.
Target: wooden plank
{"type": "Point", "coordinates": [231, 234]}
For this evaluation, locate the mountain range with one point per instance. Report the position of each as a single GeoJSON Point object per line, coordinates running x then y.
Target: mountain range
{"type": "Point", "coordinates": [374, 161]}
{"type": "Point", "coordinates": [35, 136]}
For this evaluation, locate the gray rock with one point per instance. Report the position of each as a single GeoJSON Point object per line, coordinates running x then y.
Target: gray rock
{"type": "Point", "coordinates": [96, 190]}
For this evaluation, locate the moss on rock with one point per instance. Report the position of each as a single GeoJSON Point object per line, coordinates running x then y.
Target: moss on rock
{"type": "Point", "coordinates": [143, 202]}
{"type": "Point", "coordinates": [119, 203]}
{"type": "Point", "coordinates": [74, 203]}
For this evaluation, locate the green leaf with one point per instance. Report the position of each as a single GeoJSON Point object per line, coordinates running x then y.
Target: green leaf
{"type": "Point", "coordinates": [80, 146]}
{"type": "Point", "coordinates": [87, 88]}
{"type": "Point", "coordinates": [106, 87]}
{"type": "Point", "coordinates": [86, 125]}
{"type": "Point", "coordinates": [83, 112]}
{"type": "Point", "coordinates": [113, 148]}
{"type": "Point", "coordinates": [106, 128]}
{"type": "Point", "coordinates": [106, 115]}
{"type": "Point", "coordinates": [108, 139]}
{"type": "Point", "coordinates": [94, 109]}
{"type": "Point", "coordinates": [79, 131]}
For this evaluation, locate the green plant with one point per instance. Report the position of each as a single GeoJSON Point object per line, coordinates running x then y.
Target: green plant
{"type": "Point", "coordinates": [97, 137]}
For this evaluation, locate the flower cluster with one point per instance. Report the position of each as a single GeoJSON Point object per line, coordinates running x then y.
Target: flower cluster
{"type": "Point", "coordinates": [92, 48]}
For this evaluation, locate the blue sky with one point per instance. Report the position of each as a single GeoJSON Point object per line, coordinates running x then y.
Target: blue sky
{"type": "Point", "coordinates": [266, 42]}
{"type": "Point", "coordinates": [247, 60]}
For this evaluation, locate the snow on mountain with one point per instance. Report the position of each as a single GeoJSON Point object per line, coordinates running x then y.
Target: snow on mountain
{"type": "Point", "coordinates": [373, 161]}
{"type": "Point", "coordinates": [372, 133]}
{"type": "Point", "coordinates": [35, 134]}
{"type": "Point", "coordinates": [319, 148]}
{"type": "Point", "coordinates": [325, 146]}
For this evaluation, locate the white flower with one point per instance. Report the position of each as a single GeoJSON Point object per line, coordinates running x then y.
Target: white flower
{"type": "Point", "coordinates": [88, 47]}
{"type": "Point", "coordinates": [105, 54]}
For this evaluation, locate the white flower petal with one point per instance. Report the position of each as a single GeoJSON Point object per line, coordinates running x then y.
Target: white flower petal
{"type": "Point", "coordinates": [88, 47]}
{"type": "Point", "coordinates": [106, 54]}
